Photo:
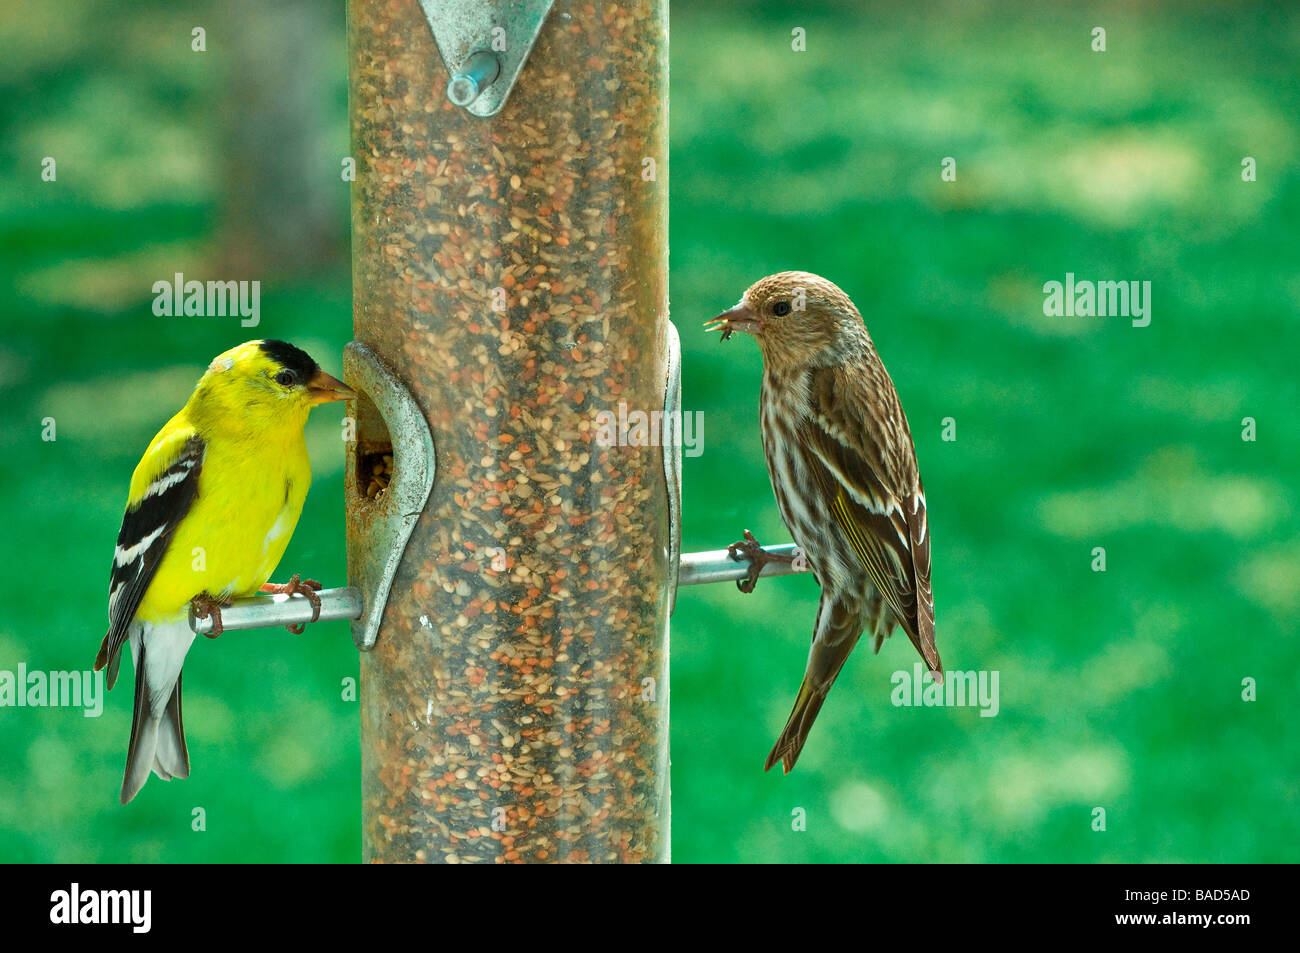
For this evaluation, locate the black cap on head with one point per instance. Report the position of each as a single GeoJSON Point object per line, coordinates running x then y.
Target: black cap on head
{"type": "Point", "coordinates": [294, 358]}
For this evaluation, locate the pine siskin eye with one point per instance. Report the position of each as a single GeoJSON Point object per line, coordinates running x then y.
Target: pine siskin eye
{"type": "Point", "coordinates": [781, 309]}
{"type": "Point", "coordinates": [286, 378]}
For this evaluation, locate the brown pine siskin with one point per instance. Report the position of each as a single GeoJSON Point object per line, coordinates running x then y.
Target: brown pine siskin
{"type": "Point", "coordinates": [843, 468]}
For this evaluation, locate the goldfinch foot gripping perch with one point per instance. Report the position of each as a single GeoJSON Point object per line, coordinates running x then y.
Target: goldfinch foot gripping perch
{"type": "Point", "coordinates": [297, 586]}
{"type": "Point", "coordinates": [211, 509]}
{"type": "Point", "coordinates": [205, 607]}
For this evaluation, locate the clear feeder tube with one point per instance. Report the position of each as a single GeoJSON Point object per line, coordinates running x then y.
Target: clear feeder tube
{"type": "Point", "coordinates": [512, 270]}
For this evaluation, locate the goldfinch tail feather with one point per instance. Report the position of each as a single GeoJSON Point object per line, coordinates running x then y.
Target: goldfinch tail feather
{"type": "Point", "coordinates": [157, 736]}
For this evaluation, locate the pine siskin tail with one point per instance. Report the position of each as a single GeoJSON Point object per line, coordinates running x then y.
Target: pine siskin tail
{"type": "Point", "coordinates": [835, 633]}
{"type": "Point", "coordinates": [157, 737]}
{"type": "Point", "coordinates": [806, 706]}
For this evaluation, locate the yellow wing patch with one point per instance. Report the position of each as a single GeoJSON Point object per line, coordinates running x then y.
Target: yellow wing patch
{"type": "Point", "coordinates": [868, 551]}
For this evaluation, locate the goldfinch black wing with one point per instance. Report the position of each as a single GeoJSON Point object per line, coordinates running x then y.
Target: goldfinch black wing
{"type": "Point", "coordinates": [162, 490]}
{"type": "Point", "coordinates": [863, 459]}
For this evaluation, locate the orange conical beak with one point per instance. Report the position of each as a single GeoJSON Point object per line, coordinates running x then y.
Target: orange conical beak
{"type": "Point", "coordinates": [324, 389]}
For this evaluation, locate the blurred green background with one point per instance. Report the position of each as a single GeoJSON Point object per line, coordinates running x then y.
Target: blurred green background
{"type": "Point", "coordinates": [1119, 690]}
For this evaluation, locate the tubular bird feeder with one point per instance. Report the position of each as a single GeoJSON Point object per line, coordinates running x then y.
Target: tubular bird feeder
{"type": "Point", "coordinates": [510, 268]}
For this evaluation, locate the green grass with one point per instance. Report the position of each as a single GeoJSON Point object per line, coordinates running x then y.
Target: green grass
{"type": "Point", "coordinates": [1119, 690]}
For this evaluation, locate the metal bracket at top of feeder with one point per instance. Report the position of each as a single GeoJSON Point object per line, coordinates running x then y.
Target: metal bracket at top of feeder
{"type": "Point", "coordinates": [378, 529]}
{"type": "Point", "coordinates": [484, 44]}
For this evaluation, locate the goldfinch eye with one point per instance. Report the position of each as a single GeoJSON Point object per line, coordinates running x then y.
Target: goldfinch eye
{"type": "Point", "coordinates": [286, 378]}
{"type": "Point", "coordinates": [781, 309]}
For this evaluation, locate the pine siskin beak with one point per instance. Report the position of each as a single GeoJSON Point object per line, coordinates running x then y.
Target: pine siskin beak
{"type": "Point", "coordinates": [739, 318]}
{"type": "Point", "coordinates": [324, 389]}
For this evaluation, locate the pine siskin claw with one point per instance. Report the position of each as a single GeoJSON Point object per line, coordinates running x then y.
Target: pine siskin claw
{"type": "Point", "coordinates": [749, 548]}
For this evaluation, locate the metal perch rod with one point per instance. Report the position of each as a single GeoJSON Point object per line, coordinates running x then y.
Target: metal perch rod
{"type": "Point", "coordinates": [716, 565]}
{"type": "Point", "coordinates": [257, 612]}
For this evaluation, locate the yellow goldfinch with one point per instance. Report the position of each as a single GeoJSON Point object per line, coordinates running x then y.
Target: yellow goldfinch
{"type": "Point", "coordinates": [211, 509]}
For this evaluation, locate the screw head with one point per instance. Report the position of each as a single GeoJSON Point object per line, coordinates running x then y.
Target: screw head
{"type": "Point", "coordinates": [462, 90]}
{"type": "Point", "coordinates": [476, 74]}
